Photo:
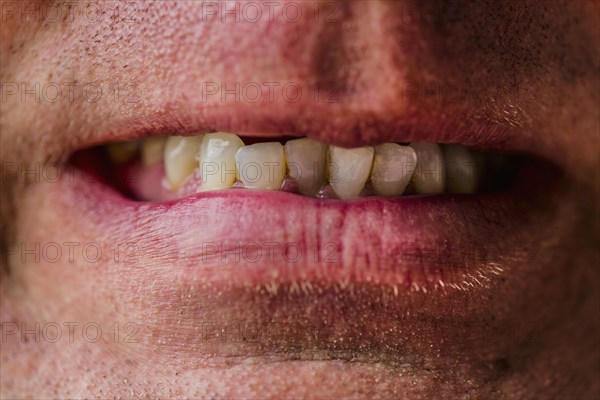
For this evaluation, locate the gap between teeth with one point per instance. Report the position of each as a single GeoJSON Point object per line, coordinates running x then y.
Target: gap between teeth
{"type": "Point", "coordinates": [221, 161]}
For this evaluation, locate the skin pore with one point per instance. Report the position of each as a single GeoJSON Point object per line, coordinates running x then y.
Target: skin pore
{"type": "Point", "coordinates": [529, 70]}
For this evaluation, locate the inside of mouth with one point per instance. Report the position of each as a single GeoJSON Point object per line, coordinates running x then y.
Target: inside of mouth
{"type": "Point", "coordinates": [166, 168]}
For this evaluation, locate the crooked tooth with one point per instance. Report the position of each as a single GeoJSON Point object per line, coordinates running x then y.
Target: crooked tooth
{"type": "Point", "coordinates": [429, 176]}
{"type": "Point", "coordinates": [393, 166]}
{"type": "Point", "coordinates": [306, 161]}
{"type": "Point", "coordinates": [123, 151]}
{"type": "Point", "coordinates": [461, 170]}
{"type": "Point", "coordinates": [349, 170]}
{"type": "Point", "coordinates": [181, 158]}
{"type": "Point", "coordinates": [153, 149]}
{"type": "Point", "coordinates": [217, 160]}
{"type": "Point", "coordinates": [261, 165]}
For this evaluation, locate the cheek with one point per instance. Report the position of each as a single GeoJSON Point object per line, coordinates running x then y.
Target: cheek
{"type": "Point", "coordinates": [64, 269]}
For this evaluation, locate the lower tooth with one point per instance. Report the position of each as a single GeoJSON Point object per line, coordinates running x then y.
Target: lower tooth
{"type": "Point", "coordinates": [181, 158]}
{"type": "Point", "coordinates": [261, 166]}
{"type": "Point", "coordinates": [461, 170]}
{"type": "Point", "coordinates": [393, 166]}
{"type": "Point", "coordinates": [217, 160]}
{"type": "Point", "coordinates": [349, 170]}
{"type": "Point", "coordinates": [429, 175]}
{"type": "Point", "coordinates": [306, 160]}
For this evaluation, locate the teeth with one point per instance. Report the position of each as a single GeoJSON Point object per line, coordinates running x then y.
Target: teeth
{"type": "Point", "coordinates": [153, 149]}
{"type": "Point", "coordinates": [349, 170]}
{"type": "Point", "coordinates": [393, 166]}
{"type": "Point", "coordinates": [122, 152]}
{"type": "Point", "coordinates": [261, 166]}
{"type": "Point", "coordinates": [181, 160]}
{"type": "Point", "coordinates": [461, 170]}
{"type": "Point", "coordinates": [217, 160]}
{"type": "Point", "coordinates": [429, 176]}
{"type": "Point", "coordinates": [220, 160]}
{"type": "Point", "coordinates": [306, 160]}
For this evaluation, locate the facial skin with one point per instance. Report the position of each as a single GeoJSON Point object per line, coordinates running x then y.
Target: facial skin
{"type": "Point", "coordinates": [530, 71]}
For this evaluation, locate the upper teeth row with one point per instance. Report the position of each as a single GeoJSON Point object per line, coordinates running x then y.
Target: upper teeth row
{"type": "Point", "coordinates": [221, 159]}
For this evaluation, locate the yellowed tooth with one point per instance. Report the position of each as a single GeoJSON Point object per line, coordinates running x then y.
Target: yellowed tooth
{"type": "Point", "coordinates": [306, 161]}
{"type": "Point", "coordinates": [181, 158]}
{"type": "Point", "coordinates": [261, 165]}
{"type": "Point", "coordinates": [430, 175]}
{"type": "Point", "coordinates": [153, 149]}
{"type": "Point", "coordinates": [349, 170]}
{"type": "Point", "coordinates": [462, 172]}
{"type": "Point", "coordinates": [217, 160]}
{"type": "Point", "coordinates": [123, 152]}
{"type": "Point", "coordinates": [393, 166]}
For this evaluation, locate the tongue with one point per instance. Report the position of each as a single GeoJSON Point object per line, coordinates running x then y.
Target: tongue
{"type": "Point", "coordinates": [147, 183]}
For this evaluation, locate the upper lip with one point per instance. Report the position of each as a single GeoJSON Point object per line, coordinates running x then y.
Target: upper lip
{"type": "Point", "coordinates": [336, 125]}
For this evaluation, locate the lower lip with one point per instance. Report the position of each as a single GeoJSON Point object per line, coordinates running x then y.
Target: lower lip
{"type": "Point", "coordinates": [238, 237]}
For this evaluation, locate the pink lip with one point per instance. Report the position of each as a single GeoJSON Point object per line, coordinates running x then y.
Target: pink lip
{"type": "Point", "coordinates": [239, 237]}
{"type": "Point", "coordinates": [332, 124]}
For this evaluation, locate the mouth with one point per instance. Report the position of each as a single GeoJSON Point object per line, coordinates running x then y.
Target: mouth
{"type": "Point", "coordinates": [165, 168]}
{"type": "Point", "coordinates": [280, 210]}
{"type": "Point", "coordinates": [405, 235]}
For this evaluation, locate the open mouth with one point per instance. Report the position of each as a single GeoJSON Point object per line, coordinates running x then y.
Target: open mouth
{"type": "Point", "coordinates": [165, 168]}
{"type": "Point", "coordinates": [283, 210]}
